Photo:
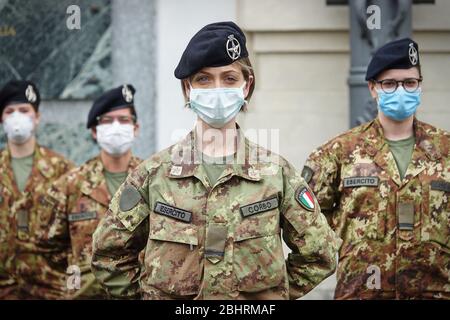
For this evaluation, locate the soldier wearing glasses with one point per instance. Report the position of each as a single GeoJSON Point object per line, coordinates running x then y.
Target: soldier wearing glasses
{"type": "Point", "coordinates": [78, 200]}
{"type": "Point", "coordinates": [385, 188]}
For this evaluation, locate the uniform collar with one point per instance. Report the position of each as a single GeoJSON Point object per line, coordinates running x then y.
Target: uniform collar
{"type": "Point", "coordinates": [93, 171]}
{"type": "Point", "coordinates": [42, 162]}
{"type": "Point", "coordinates": [7, 172]}
{"type": "Point", "coordinates": [377, 147]}
{"type": "Point", "coordinates": [94, 183]}
{"type": "Point", "coordinates": [41, 165]}
{"type": "Point", "coordinates": [375, 140]}
{"type": "Point", "coordinates": [5, 158]}
{"type": "Point", "coordinates": [424, 141]}
{"type": "Point", "coordinates": [185, 160]}
{"type": "Point", "coordinates": [39, 159]}
{"type": "Point", "coordinates": [134, 162]}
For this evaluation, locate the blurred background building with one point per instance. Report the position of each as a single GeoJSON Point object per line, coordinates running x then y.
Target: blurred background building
{"type": "Point", "coordinates": [300, 50]}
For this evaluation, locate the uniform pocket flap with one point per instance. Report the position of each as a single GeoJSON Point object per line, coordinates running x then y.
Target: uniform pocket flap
{"type": "Point", "coordinates": [167, 229]}
{"type": "Point", "coordinates": [258, 226]}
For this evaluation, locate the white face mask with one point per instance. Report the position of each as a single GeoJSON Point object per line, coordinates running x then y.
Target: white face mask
{"type": "Point", "coordinates": [217, 106]}
{"type": "Point", "coordinates": [116, 139]}
{"type": "Point", "coordinates": [19, 127]}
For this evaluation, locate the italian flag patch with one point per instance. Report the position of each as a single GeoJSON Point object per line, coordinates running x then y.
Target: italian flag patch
{"type": "Point", "coordinates": [305, 198]}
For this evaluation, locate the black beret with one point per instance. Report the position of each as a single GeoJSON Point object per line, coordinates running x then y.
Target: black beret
{"type": "Point", "coordinates": [19, 91]}
{"type": "Point", "coordinates": [398, 54]}
{"type": "Point", "coordinates": [117, 98]}
{"type": "Point", "coordinates": [215, 45]}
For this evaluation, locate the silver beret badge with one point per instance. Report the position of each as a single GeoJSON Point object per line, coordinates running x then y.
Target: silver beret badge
{"type": "Point", "coordinates": [30, 94]}
{"type": "Point", "coordinates": [127, 94]}
{"type": "Point", "coordinates": [413, 54]}
{"type": "Point", "coordinates": [233, 47]}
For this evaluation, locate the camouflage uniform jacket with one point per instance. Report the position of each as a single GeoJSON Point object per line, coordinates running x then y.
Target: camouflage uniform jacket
{"type": "Point", "coordinates": [393, 230]}
{"type": "Point", "coordinates": [77, 201]}
{"type": "Point", "coordinates": [23, 264]}
{"type": "Point", "coordinates": [212, 242]}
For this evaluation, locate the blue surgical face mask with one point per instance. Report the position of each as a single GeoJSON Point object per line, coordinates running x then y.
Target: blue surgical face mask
{"type": "Point", "coordinates": [217, 106]}
{"type": "Point", "coordinates": [400, 104]}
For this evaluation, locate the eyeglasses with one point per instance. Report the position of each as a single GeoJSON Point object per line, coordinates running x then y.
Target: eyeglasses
{"type": "Point", "coordinates": [121, 119]}
{"type": "Point", "coordinates": [390, 85]}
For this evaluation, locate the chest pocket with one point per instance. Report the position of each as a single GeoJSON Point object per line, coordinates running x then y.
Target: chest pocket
{"type": "Point", "coordinates": [258, 259]}
{"type": "Point", "coordinates": [172, 258]}
{"type": "Point", "coordinates": [436, 220]}
{"type": "Point", "coordinates": [364, 202]}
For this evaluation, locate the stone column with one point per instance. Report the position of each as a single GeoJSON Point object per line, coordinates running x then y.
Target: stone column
{"type": "Point", "coordinates": [134, 61]}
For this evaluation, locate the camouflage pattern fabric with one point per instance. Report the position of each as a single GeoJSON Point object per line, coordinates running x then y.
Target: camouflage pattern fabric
{"type": "Point", "coordinates": [28, 271]}
{"type": "Point", "coordinates": [398, 229]}
{"type": "Point", "coordinates": [76, 202]}
{"type": "Point", "coordinates": [213, 242]}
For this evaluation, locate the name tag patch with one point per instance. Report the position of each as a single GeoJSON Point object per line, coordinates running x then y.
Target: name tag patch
{"type": "Point", "coordinates": [361, 182]}
{"type": "Point", "coordinates": [80, 216]}
{"type": "Point", "coordinates": [440, 185]}
{"type": "Point", "coordinates": [259, 207]}
{"type": "Point", "coordinates": [173, 212]}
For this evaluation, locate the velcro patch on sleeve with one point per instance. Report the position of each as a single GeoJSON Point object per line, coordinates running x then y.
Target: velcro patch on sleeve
{"type": "Point", "coordinates": [307, 173]}
{"type": "Point", "coordinates": [129, 198]}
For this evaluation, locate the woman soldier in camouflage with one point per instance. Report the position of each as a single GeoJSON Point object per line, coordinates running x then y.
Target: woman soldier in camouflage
{"type": "Point", "coordinates": [208, 213]}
